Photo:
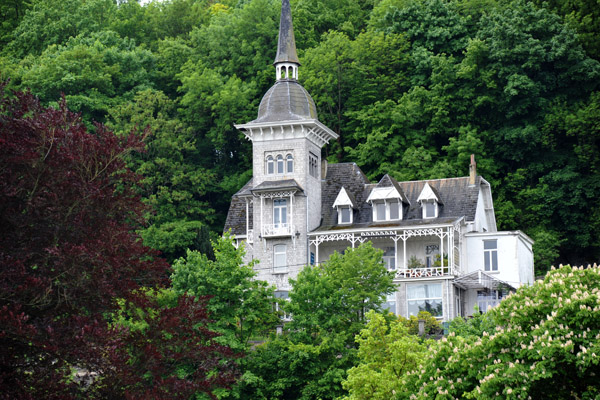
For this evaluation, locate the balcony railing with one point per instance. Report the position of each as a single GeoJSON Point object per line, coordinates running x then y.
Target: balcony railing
{"type": "Point", "coordinates": [274, 230]}
{"type": "Point", "coordinates": [424, 272]}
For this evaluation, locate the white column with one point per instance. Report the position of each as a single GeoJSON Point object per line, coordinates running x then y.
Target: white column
{"type": "Point", "coordinates": [396, 252]}
{"type": "Point", "coordinates": [442, 249]}
{"type": "Point", "coordinates": [291, 213]}
{"type": "Point", "coordinates": [317, 251]}
{"type": "Point", "coordinates": [261, 214]}
{"type": "Point", "coordinates": [404, 244]}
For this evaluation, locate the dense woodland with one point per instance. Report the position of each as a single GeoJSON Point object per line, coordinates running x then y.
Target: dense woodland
{"type": "Point", "coordinates": [412, 87]}
{"type": "Point", "coordinates": [118, 158]}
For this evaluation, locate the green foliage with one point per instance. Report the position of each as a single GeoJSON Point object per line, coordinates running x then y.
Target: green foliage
{"type": "Point", "coordinates": [51, 22]}
{"type": "Point", "coordinates": [177, 181]}
{"type": "Point", "coordinates": [432, 325]}
{"type": "Point", "coordinates": [90, 71]}
{"type": "Point", "coordinates": [240, 305]}
{"type": "Point", "coordinates": [473, 326]}
{"type": "Point", "coordinates": [335, 296]}
{"type": "Point", "coordinates": [544, 345]}
{"type": "Point", "coordinates": [387, 352]}
{"type": "Point", "coordinates": [329, 305]}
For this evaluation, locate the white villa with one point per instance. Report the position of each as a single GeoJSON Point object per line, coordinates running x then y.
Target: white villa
{"type": "Point", "coordinates": [439, 236]}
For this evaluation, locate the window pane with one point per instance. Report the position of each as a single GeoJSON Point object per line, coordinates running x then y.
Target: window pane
{"type": "Point", "coordinates": [280, 164]}
{"type": "Point", "coordinates": [380, 211]}
{"type": "Point", "coordinates": [494, 260]}
{"type": "Point", "coordinates": [279, 258]}
{"type": "Point", "coordinates": [290, 163]}
{"type": "Point", "coordinates": [490, 244]}
{"type": "Point", "coordinates": [345, 215]}
{"type": "Point", "coordinates": [270, 165]}
{"type": "Point", "coordinates": [394, 210]}
{"type": "Point", "coordinates": [486, 260]}
{"type": "Point", "coordinates": [429, 210]}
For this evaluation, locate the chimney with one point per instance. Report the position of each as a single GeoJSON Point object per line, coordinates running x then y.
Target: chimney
{"type": "Point", "coordinates": [472, 170]}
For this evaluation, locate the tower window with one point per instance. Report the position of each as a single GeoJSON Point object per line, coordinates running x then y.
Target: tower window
{"type": "Point", "coordinates": [313, 162]}
{"type": "Point", "coordinates": [279, 259]}
{"type": "Point", "coordinates": [280, 164]}
{"type": "Point", "coordinates": [290, 163]}
{"type": "Point", "coordinates": [270, 165]}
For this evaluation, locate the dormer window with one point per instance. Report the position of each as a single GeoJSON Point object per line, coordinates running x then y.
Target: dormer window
{"type": "Point", "coordinates": [387, 202]}
{"type": "Point", "coordinates": [430, 202]}
{"type": "Point", "coordinates": [344, 215]}
{"type": "Point", "coordinates": [345, 204]}
{"type": "Point", "coordinates": [270, 165]}
{"type": "Point", "coordinates": [430, 209]}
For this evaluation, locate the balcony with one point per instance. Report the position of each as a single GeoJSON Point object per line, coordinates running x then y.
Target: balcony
{"type": "Point", "coordinates": [424, 272]}
{"type": "Point", "coordinates": [277, 230]}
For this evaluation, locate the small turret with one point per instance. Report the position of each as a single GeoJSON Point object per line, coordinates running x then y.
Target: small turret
{"type": "Point", "coordinates": [286, 62]}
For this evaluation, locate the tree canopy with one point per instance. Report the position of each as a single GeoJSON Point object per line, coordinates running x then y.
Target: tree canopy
{"type": "Point", "coordinates": [412, 87]}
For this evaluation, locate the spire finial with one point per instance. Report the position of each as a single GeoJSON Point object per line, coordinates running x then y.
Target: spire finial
{"type": "Point", "coordinates": [286, 61]}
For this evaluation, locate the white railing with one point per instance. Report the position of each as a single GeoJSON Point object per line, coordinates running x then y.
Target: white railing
{"type": "Point", "coordinates": [424, 272]}
{"type": "Point", "coordinates": [272, 230]}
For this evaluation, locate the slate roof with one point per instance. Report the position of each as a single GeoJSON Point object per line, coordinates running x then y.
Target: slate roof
{"type": "Point", "coordinates": [236, 217]}
{"type": "Point", "coordinates": [276, 185]}
{"type": "Point", "coordinates": [459, 199]}
{"type": "Point", "coordinates": [286, 45]}
{"type": "Point", "coordinates": [286, 100]}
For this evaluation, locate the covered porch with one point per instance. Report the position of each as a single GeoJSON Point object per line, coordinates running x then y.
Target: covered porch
{"type": "Point", "coordinates": [412, 252]}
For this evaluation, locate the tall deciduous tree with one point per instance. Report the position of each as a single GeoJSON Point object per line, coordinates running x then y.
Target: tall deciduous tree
{"type": "Point", "coordinates": [544, 344]}
{"type": "Point", "coordinates": [240, 305]}
{"type": "Point", "coordinates": [67, 250]}
{"type": "Point", "coordinates": [329, 305]}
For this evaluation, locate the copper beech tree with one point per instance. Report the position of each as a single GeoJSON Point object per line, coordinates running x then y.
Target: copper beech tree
{"type": "Point", "coordinates": [67, 251]}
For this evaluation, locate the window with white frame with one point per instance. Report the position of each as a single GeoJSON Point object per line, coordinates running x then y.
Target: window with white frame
{"type": "Point", "coordinates": [378, 211]}
{"type": "Point", "coordinates": [270, 165]}
{"type": "Point", "coordinates": [487, 299]}
{"type": "Point", "coordinates": [424, 297]}
{"type": "Point", "coordinates": [387, 210]}
{"type": "Point", "coordinates": [344, 215]}
{"type": "Point", "coordinates": [279, 259]}
{"type": "Point", "coordinates": [389, 258]}
{"type": "Point", "coordinates": [430, 208]}
{"type": "Point", "coordinates": [280, 164]}
{"type": "Point", "coordinates": [289, 160]}
{"type": "Point", "coordinates": [390, 303]}
{"type": "Point", "coordinates": [313, 163]}
{"type": "Point", "coordinates": [490, 255]}
{"type": "Point", "coordinates": [279, 213]}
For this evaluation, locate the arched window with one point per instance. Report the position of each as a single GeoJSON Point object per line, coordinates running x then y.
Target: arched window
{"type": "Point", "coordinates": [280, 164]}
{"type": "Point", "coordinates": [290, 163]}
{"type": "Point", "coordinates": [270, 165]}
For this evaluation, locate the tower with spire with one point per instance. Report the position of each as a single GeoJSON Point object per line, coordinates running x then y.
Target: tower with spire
{"type": "Point", "coordinates": [282, 201]}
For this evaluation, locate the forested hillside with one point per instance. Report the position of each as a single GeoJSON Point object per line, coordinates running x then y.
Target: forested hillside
{"type": "Point", "coordinates": [413, 87]}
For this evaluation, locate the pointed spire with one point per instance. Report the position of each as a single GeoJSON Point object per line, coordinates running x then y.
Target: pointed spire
{"type": "Point", "coordinates": [286, 61]}
{"type": "Point", "coordinates": [286, 47]}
